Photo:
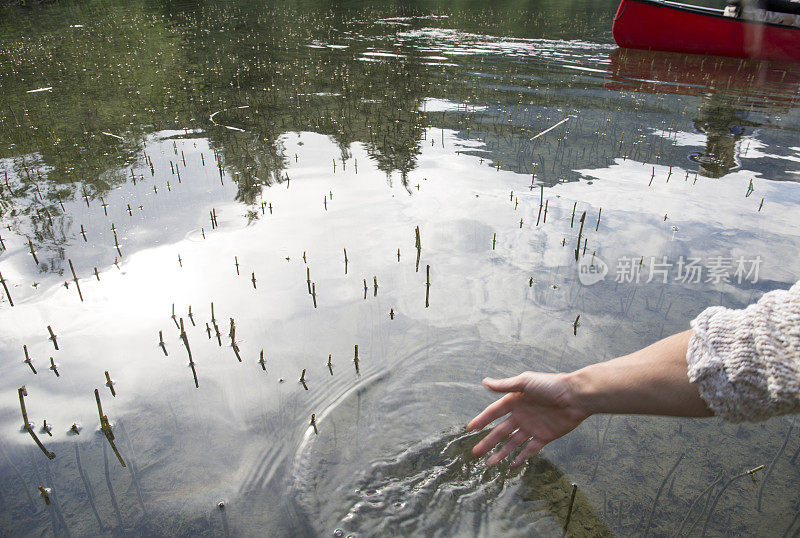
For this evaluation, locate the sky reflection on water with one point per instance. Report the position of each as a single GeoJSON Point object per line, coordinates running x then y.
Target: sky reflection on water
{"type": "Point", "coordinates": [227, 161]}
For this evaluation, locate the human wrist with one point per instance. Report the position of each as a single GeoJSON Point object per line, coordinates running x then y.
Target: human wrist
{"type": "Point", "coordinates": [580, 383]}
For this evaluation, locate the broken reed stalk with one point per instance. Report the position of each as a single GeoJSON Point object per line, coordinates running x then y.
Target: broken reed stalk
{"type": "Point", "coordinates": [186, 342]}
{"type": "Point", "coordinates": [575, 325]}
{"type": "Point", "coordinates": [45, 493]}
{"type": "Point", "coordinates": [345, 261]}
{"type": "Point", "coordinates": [375, 284]}
{"type": "Point", "coordinates": [28, 360]}
{"type": "Point", "coordinates": [161, 343]}
{"type": "Point", "coordinates": [22, 391]}
{"type": "Point", "coordinates": [313, 423]}
{"type": "Point", "coordinates": [28, 426]}
{"type": "Point", "coordinates": [569, 509]}
{"type": "Point", "coordinates": [580, 232]}
{"type": "Point", "coordinates": [303, 379]}
{"type": "Point", "coordinates": [722, 490]}
{"type": "Point", "coordinates": [216, 330]}
{"type": "Point", "coordinates": [658, 493]}
{"type": "Point", "coordinates": [75, 278]}
{"type": "Point", "coordinates": [110, 385]}
{"type": "Point", "coordinates": [355, 358]}
{"type": "Point", "coordinates": [427, 285]}
{"type": "Point", "coordinates": [308, 279]}
{"type": "Point", "coordinates": [597, 227]}
{"type": "Point", "coordinates": [314, 293]}
{"type": "Point", "coordinates": [194, 375]}
{"type": "Point", "coordinates": [572, 221]}
{"type": "Point", "coordinates": [52, 337]}
{"type": "Point", "coordinates": [30, 246]}
{"type": "Point", "coordinates": [261, 361]}
{"type": "Point", "coordinates": [8, 294]}
{"type": "Point", "coordinates": [105, 427]}
{"type": "Point", "coordinates": [54, 367]}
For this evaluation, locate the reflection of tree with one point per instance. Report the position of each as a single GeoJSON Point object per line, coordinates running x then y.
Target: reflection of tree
{"type": "Point", "coordinates": [719, 118]}
{"type": "Point", "coordinates": [110, 79]}
{"type": "Point", "coordinates": [154, 66]}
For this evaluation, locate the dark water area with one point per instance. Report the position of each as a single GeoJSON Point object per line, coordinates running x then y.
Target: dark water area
{"type": "Point", "coordinates": [275, 160]}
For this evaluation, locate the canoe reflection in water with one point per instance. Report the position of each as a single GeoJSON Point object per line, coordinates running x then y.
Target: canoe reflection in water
{"type": "Point", "coordinates": [731, 90]}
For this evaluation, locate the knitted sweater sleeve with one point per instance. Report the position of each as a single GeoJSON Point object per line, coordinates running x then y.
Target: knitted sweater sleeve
{"type": "Point", "coordinates": [746, 363]}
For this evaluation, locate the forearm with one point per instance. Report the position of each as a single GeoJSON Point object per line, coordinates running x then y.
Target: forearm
{"type": "Point", "coordinates": [650, 381]}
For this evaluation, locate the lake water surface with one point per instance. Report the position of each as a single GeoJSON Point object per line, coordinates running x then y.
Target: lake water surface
{"type": "Point", "coordinates": [384, 203]}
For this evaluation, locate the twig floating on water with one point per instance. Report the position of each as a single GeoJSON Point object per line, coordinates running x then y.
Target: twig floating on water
{"type": "Point", "coordinates": [554, 126]}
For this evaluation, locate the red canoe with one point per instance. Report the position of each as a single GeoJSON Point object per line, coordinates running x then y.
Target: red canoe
{"type": "Point", "coordinates": [674, 27]}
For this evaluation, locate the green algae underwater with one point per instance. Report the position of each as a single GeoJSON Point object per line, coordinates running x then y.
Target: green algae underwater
{"type": "Point", "coordinates": [229, 218]}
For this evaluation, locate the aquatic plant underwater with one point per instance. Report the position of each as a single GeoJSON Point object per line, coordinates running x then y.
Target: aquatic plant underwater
{"type": "Point", "coordinates": [256, 259]}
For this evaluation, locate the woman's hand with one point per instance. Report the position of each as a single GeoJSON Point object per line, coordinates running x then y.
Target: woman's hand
{"type": "Point", "coordinates": [540, 409]}
{"type": "Point", "coordinates": [543, 407]}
